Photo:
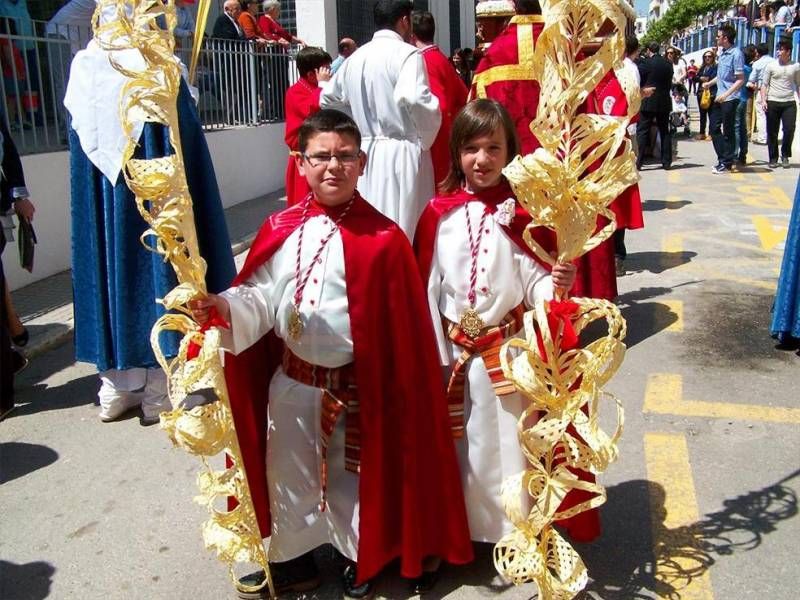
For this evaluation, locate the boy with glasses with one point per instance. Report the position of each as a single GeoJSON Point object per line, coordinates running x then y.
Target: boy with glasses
{"type": "Point", "coordinates": [329, 315]}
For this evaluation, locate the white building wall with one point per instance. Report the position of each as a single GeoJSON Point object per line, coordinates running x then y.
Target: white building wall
{"type": "Point", "coordinates": [316, 24]}
{"type": "Point", "coordinates": [249, 162]}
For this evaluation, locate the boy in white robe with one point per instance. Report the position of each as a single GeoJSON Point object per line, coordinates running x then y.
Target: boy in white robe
{"type": "Point", "coordinates": [319, 317]}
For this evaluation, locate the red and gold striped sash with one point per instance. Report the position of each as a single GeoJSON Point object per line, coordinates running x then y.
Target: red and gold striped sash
{"type": "Point", "coordinates": [338, 387]}
{"type": "Point", "coordinates": [487, 344]}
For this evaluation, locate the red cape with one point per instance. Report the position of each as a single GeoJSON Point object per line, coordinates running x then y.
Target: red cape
{"type": "Point", "coordinates": [448, 87]}
{"type": "Point", "coordinates": [411, 502]}
{"type": "Point", "coordinates": [585, 526]}
{"type": "Point", "coordinates": [302, 101]}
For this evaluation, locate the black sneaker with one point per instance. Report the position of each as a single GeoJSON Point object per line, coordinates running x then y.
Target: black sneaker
{"type": "Point", "coordinates": [365, 591]}
{"type": "Point", "coordinates": [720, 169]}
{"type": "Point", "coordinates": [295, 576]}
{"type": "Point", "coordinates": [424, 583]}
{"type": "Point", "coordinates": [18, 361]}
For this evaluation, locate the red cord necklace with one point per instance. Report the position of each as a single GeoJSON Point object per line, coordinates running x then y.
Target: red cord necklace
{"type": "Point", "coordinates": [470, 322]}
{"type": "Point", "coordinates": [295, 327]}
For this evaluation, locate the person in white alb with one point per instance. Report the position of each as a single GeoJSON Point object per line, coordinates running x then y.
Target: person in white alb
{"type": "Point", "coordinates": [480, 282]}
{"type": "Point", "coordinates": [384, 86]}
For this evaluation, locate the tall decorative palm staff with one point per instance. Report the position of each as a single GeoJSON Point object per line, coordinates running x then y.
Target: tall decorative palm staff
{"type": "Point", "coordinates": [162, 198]}
{"type": "Point", "coordinates": [583, 164]}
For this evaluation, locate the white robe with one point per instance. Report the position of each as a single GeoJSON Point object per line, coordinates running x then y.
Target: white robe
{"type": "Point", "coordinates": [489, 452]}
{"type": "Point", "coordinates": [294, 454]}
{"type": "Point", "coordinates": [384, 86]}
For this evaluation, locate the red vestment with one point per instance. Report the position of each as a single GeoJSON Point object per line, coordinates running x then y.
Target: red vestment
{"type": "Point", "coordinates": [585, 526]}
{"type": "Point", "coordinates": [505, 74]}
{"type": "Point", "coordinates": [451, 92]}
{"type": "Point", "coordinates": [517, 91]}
{"type": "Point", "coordinates": [411, 502]}
{"type": "Point", "coordinates": [302, 101]}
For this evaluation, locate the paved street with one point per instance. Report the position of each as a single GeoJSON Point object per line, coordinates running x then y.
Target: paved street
{"type": "Point", "coordinates": [702, 504]}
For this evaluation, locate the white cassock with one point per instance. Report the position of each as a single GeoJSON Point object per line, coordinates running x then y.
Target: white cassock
{"type": "Point", "coordinates": [294, 457]}
{"type": "Point", "coordinates": [384, 86]}
{"type": "Point", "coordinates": [489, 451]}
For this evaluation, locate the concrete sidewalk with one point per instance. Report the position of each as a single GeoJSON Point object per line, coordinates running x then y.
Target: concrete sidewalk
{"type": "Point", "coordinates": [45, 306]}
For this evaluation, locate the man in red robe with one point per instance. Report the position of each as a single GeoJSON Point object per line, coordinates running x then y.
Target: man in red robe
{"type": "Point", "coordinates": [358, 450]}
{"type": "Point", "coordinates": [506, 74]}
{"type": "Point", "coordinates": [445, 84]}
{"type": "Point", "coordinates": [302, 101]}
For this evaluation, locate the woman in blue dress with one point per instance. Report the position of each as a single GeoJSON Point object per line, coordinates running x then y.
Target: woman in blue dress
{"type": "Point", "coordinates": [116, 280]}
{"type": "Point", "coordinates": [786, 310]}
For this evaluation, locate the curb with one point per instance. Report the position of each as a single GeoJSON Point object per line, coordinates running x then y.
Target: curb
{"type": "Point", "coordinates": [59, 332]}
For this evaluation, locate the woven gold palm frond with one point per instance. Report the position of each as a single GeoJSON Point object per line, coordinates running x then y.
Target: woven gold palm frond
{"type": "Point", "coordinates": [136, 36]}
{"type": "Point", "coordinates": [584, 163]}
{"type": "Point", "coordinates": [584, 159]}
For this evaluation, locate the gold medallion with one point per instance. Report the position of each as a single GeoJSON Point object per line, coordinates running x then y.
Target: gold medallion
{"type": "Point", "coordinates": [471, 323]}
{"type": "Point", "coordinates": [295, 324]}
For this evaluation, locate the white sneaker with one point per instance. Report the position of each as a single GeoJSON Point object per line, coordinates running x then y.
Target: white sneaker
{"type": "Point", "coordinates": [113, 406]}
{"type": "Point", "coordinates": [155, 400]}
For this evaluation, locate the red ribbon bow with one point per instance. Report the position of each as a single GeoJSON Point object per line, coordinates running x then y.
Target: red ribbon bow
{"type": "Point", "coordinates": [214, 320]}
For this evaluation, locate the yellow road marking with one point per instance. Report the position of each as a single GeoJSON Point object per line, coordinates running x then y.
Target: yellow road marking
{"type": "Point", "coordinates": [671, 248]}
{"type": "Point", "coordinates": [675, 549]}
{"type": "Point", "coordinates": [718, 236]}
{"type": "Point", "coordinates": [673, 177]}
{"type": "Point", "coordinates": [737, 176]}
{"type": "Point", "coordinates": [705, 272]}
{"type": "Point", "coordinates": [760, 196]}
{"type": "Point", "coordinates": [672, 199]}
{"type": "Point", "coordinates": [664, 395]}
{"type": "Point", "coordinates": [767, 177]}
{"type": "Point", "coordinates": [676, 308]}
{"type": "Point", "coordinates": [770, 236]}
{"type": "Point", "coordinates": [673, 243]}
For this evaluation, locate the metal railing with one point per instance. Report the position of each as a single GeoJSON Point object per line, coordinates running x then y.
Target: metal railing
{"type": "Point", "coordinates": [746, 33]}
{"type": "Point", "coordinates": [240, 84]}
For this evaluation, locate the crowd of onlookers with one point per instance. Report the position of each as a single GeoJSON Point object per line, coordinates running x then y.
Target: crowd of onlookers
{"type": "Point", "coordinates": [765, 14]}
{"type": "Point", "coordinates": [742, 95]}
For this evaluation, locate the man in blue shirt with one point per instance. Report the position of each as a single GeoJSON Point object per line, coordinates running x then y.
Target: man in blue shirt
{"type": "Point", "coordinates": [729, 79]}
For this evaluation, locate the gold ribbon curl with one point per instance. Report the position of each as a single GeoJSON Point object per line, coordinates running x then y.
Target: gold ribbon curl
{"type": "Point", "coordinates": [163, 200]}
{"type": "Point", "coordinates": [584, 163]}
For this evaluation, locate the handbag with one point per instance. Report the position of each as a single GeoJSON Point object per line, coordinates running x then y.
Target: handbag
{"type": "Point", "coordinates": [26, 243]}
{"type": "Point", "coordinates": [705, 99]}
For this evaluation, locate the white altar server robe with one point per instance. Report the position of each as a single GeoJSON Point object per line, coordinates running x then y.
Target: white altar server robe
{"type": "Point", "coordinates": [384, 86]}
{"type": "Point", "coordinates": [294, 453]}
{"type": "Point", "coordinates": [489, 452]}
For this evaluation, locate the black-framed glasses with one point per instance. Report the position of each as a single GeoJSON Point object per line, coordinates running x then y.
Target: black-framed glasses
{"type": "Point", "coordinates": [318, 160]}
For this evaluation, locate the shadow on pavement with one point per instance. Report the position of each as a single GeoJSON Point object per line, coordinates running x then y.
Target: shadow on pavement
{"type": "Point", "coordinates": [33, 395]}
{"type": "Point", "coordinates": [40, 397]}
{"type": "Point", "coordinates": [679, 166]}
{"type": "Point", "coordinates": [657, 262]}
{"type": "Point", "coordinates": [632, 561]}
{"type": "Point", "coordinates": [645, 319]}
{"type": "Point", "coordinates": [478, 574]}
{"type": "Point", "coordinates": [30, 581]}
{"type": "Point", "coordinates": [654, 205]}
{"type": "Point", "coordinates": [20, 458]}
